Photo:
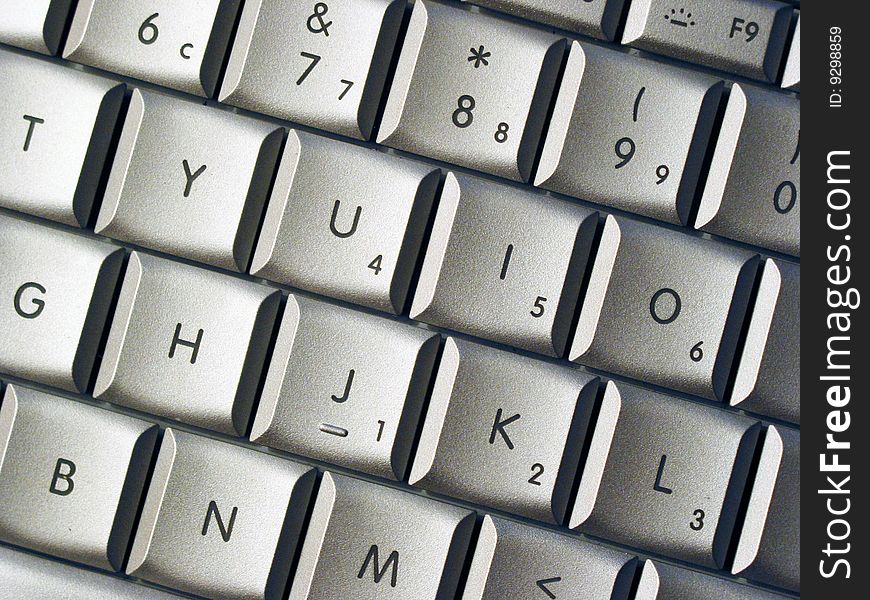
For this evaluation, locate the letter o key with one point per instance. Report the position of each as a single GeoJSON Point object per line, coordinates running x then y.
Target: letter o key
{"type": "Point", "coordinates": [654, 308]}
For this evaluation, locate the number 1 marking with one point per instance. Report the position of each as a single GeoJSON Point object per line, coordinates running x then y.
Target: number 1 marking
{"type": "Point", "coordinates": [314, 60]}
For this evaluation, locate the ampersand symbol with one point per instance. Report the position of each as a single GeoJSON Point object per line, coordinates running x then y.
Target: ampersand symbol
{"type": "Point", "coordinates": [321, 26]}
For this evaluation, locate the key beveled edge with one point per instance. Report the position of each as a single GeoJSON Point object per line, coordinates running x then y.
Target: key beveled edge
{"type": "Point", "coordinates": [723, 157]}
{"type": "Point", "coordinates": [759, 501]}
{"type": "Point", "coordinates": [436, 413]}
{"type": "Point", "coordinates": [635, 21]}
{"type": "Point", "coordinates": [276, 203]}
{"type": "Point", "coordinates": [397, 94]}
{"type": "Point", "coordinates": [596, 291]}
{"type": "Point", "coordinates": [115, 340]}
{"type": "Point", "coordinates": [8, 412]}
{"type": "Point", "coordinates": [553, 139]}
{"type": "Point", "coordinates": [121, 163]}
{"type": "Point", "coordinates": [749, 364]}
{"type": "Point", "coordinates": [596, 458]}
{"type": "Point", "coordinates": [439, 240]}
{"type": "Point", "coordinates": [153, 501]}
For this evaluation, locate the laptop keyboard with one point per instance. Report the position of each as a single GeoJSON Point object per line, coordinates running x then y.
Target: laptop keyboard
{"type": "Point", "coordinates": [372, 299]}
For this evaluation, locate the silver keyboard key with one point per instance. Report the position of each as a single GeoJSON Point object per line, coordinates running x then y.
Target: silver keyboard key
{"type": "Point", "coordinates": [746, 37]}
{"type": "Point", "coordinates": [665, 474]}
{"type": "Point", "coordinates": [180, 45]}
{"type": "Point", "coordinates": [34, 24]}
{"type": "Point", "coordinates": [595, 18]}
{"type": "Point", "coordinates": [504, 430]}
{"type": "Point", "coordinates": [664, 307]}
{"type": "Point", "coordinates": [220, 521]}
{"type": "Point", "coordinates": [55, 292]}
{"type": "Point", "coordinates": [770, 543]}
{"type": "Point", "coordinates": [369, 542]}
{"type": "Point", "coordinates": [768, 372]}
{"type": "Point", "coordinates": [629, 133]}
{"type": "Point", "coordinates": [187, 344]}
{"type": "Point", "coordinates": [504, 264]}
{"type": "Point", "coordinates": [70, 476]}
{"type": "Point", "coordinates": [472, 90]}
{"type": "Point", "coordinates": [321, 64]}
{"type": "Point", "coordinates": [516, 561]}
{"type": "Point", "coordinates": [55, 128]}
{"type": "Point", "coordinates": [189, 180]}
{"type": "Point", "coordinates": [27, 576]}
{"type": "Point", "coordinates": [345, 221]}
{"type": "Point", "coordinates": [753, 187]}
{"type": "Point", "coordinates": [660, 581]}
{"type": "Point", "coordinates": [791, 76]}
{"type": "Point", "coordinates": [359, 407]}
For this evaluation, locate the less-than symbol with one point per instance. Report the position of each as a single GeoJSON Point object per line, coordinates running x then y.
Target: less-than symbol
{"type": "Point", "coordinates": [479, 57]}
{"type": "Point", "coordinates": [543, 583]}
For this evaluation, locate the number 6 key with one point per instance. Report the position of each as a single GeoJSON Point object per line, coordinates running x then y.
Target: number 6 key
{"type": "Point", "coordinates": [471, 90]}
{"type": "Point", "coordinates": [664, 307]}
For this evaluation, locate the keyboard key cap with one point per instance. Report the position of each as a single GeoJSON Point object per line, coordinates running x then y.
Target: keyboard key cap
{"type": "Point", "coordinates": [629, 133]}
{"type": "Point", "coordinates": [27, 576]}
{"type": "Point", "coordinates": [189, 180]}
{"type": "Point", "coordinates": [595, 18]}
{"type": "Point", "coordinates": [70, 476]}
{"type": "Point", "coordinates": [187, 344]}
{"type": "Point", "coordinates": [665, 474]}
{"type": "Point", "coordinates": [791, 77]}
{"type": "Point", "coordinates": [55, 292]}
{"type": "Point", "coordinates": [504, 430]}
{"type": "Point", "coordinates": [517, 561]}
{"type": "Point", "coordinates": [220, 521]}
{"type": "Point", "coordinates": [359, 407]}
{"type": "Point", "coordinates": [345, 222]}
{"type": "Point", "coordinates": [769, 548]}
{"type": "Point", "coordinates": [768, 372]}
{"type": "Point", "coordinates": [753, 187]}
{"type": "Point", "coordinates": [367, 542]}
{"type": "Point", "coordinates": [34, 24]}
{"type": "Point", "coordinates": [664, 307]}
{"type": "Point", "coordinates": [494, 83]}
{"type": "Point", "coordinates": [660, 581]}
{"type": "Point", "coordinates": [746, 37]}
{"type": "Point", "coordinates": [322, 64]}
{"type": "Point", "coordinates": [504, 264]}
{"type": "Point", "coordinates": [180, 45]}
{"type": "Point", "coordinates": [55, 127]}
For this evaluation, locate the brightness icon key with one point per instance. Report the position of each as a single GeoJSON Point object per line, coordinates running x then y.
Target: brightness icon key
{"type": "Point", "coordinates": [680, 18]}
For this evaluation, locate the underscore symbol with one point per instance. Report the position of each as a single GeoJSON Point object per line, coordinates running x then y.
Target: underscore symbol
{"type": "Point", "coordinates": [333, 430]}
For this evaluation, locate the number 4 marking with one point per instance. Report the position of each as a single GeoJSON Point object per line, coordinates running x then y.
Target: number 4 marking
{"type": "Point", "coordinates": [314, 60]}
{"type": "Point", "coordinates": [348, 85]}
{"type": "Point", "coordinates": [375, 265]}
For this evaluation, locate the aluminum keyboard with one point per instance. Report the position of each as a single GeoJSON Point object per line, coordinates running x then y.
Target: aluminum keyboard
{"type": "Point", "coordinates": [367, 299]}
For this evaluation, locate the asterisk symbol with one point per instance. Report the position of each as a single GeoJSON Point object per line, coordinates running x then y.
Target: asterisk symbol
{"type": "Point", "coordinates": [479, 56]}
